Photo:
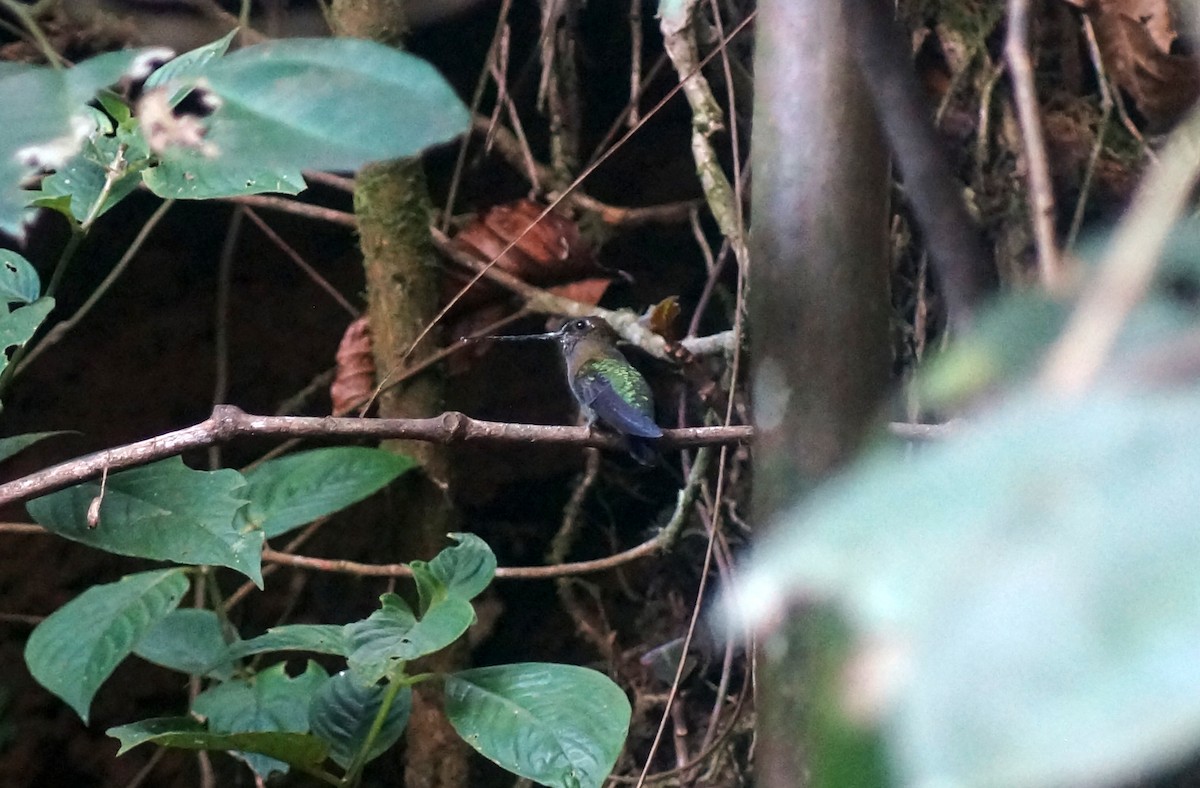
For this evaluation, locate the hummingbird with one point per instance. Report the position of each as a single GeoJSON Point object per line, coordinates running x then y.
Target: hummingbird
{"type": "Point", "coordinates": [607, 387]}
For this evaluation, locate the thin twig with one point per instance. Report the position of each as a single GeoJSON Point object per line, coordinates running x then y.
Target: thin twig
{"type": "Point", "coordinates": [60, 330]}
{"type": "Point", "coordinates": [298, 208]}
{"type": "Point", "coordinates": [301, 263]}
{"type": "Point", "coordinates": [1125, 273]}
{"type": "Point", "coordinates": [1106, 108]}
{"type": "Point", "coordinates": [1041, 190]}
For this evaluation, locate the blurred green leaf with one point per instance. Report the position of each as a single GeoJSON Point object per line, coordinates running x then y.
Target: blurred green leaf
{"type": "Point", "coordinates": [52, 123]}
{"type": "Point", "coordinates": [1025, 595]}
{"type": "Point", "coordinates": [319, 104]}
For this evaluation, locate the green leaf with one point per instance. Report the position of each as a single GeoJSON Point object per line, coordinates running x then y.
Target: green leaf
{"type": "Point", "coordinates": [164, 511]}
{"type": "Point", "coordinates": [291, 491]}
{"type": "Point", "coordinates": [270, 701]}
{"type": "Point", "coordinates": [343, 711]}
{"type": "Point", "coordinates": [73, 651]}
{"type": "Point", "coordinates": [305, 752]}
{"type": "Point", "coordinates": [52, 122]}
{"type": "Point", "coordinates": [19, 325]}
{"type": "Point", "coordinates": [559, 725]}
{"type": "Point", "coordinates": [318, 638]}
{"type": "Point", "coordinates": [1026, 593]}
{"type": "Point", "coordinates": [322, 104]}
{"type": "Point", "coordinates": [189, 640]}
{"type": "Point", "coordinates": [465, 569]}
{"type": "Point", "coordinates": [393, 634]}
{"type": "Point", "coordinates": [19, 280]}
{"type": "Point", "coordinates": [190, 64]}
{"type": "Point", "coordinates": [189, 180]}
{"type": "Point", "coordinates": [83, 177]}
{"type": "Point", "coordinates": [15, 444]}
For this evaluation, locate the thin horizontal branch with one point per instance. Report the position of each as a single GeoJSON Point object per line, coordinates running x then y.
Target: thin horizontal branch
{"type": "Point", "coordinates": [228, 422]}
{"type": "Point", "coordinates": [649, 547]}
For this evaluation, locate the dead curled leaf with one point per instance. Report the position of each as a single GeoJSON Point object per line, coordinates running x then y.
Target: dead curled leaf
{"type": "Point", "coordinates": [1135, 39]}
{"type": "Point", "coordinates": [355, 378]}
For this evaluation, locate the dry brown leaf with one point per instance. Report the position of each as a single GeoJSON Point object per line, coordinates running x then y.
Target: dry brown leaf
{"type": "Point", "coordinates": [1135, 38]}
{"type": "Point", "coordinates": [355, 378]}
{"type": "Point", "coordinates": [661, 318]}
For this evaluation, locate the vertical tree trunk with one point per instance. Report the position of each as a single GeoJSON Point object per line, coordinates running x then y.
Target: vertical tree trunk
{"type": "Point", "coordinates": [393, 208]}
{"type": "Point", "coordinates": [818, 304]}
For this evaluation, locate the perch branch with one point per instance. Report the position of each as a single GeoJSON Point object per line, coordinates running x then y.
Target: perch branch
{"type": "Point", "coordinates": [228, 422]}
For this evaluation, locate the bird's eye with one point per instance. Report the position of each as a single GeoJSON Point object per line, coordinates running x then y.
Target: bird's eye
{"type": "Point", "coordinates": [579, 325]}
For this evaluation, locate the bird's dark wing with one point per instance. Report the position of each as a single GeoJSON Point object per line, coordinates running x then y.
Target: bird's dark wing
{"type": "Point", "coordinates": [631, 414]}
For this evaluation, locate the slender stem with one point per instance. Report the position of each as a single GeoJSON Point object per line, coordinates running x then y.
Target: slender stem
{"type": "Point", "coordinates": [68, 252]}
{"type": "Point", "coordinates": [22, 13]}
{"type": "Point", "coordinates": [395, 684]}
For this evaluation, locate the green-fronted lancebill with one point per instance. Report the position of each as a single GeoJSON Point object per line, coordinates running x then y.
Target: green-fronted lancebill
{"type": "Point", "coordinates": [608, 388]}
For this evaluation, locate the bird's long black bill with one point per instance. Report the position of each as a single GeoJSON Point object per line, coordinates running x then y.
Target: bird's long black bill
{"type": "Point", "coordinates": [519, 338]}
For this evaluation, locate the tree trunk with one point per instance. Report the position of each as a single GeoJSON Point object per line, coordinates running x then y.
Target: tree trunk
{"type": "Point", "coordinates": [393, 208]}
{"type": "Point", "coordinates": [818, 308]}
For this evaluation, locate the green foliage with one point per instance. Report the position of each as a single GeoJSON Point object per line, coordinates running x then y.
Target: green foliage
{"type": "Point", "coordinates": [317, 638]}
{"type": "Point", "coordinates": [560, 725]}
{"type": "Point", "coordinates": [287, 492]}
{"type": "Point", "coordinates": [295, 749]}
{"type": "Point", "coordinates": [164, 511]}
{"type": "Point", "coordinates": [343, 713]}
{"type": "Point", "coordinates": [393, 635]}
{"type": "Point", "coordinates": [73, 651]}
{"type": "Point", "coordinates": [270, 701]}
{"type": "Point", "coordinates": [52, 123]}
{"type": "Point", "coordinates": [188, 640]}
{"type": "Point", "coordinates": [276, 108]}
{"type": "Point", "coordinates": [19, 284]}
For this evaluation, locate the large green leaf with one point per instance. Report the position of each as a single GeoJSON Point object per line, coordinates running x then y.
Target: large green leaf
{"type": "Point", "coordinates": [559, 725]}
{"type": "Point", "coordinates": [188, 640]}
{"type": "Point", "coordinates": [47, 120]}
{"type": "Point", "coordinates": [291, 491]}
{"type": "Point", "coordinates": [318, 638]}
{"type": "Point", "coordinates": [343, 711]}
{"type": "Point", "coordinates": [73, 651]}
{"type": "Point", "coordinates": [320, 104]}
{"type": "Point", "coordinates": [19, 280]}
{"type": "Point", "coordinates": [165, 511]}
{"type": "Point", "coordinates": [269, 701]}
{"type": "Point", "coordinates": [295, 749]}
{"type": "Point", "coordinates": [393, 634]}
{"type": "Point", "coordinates": [1025, 596]}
